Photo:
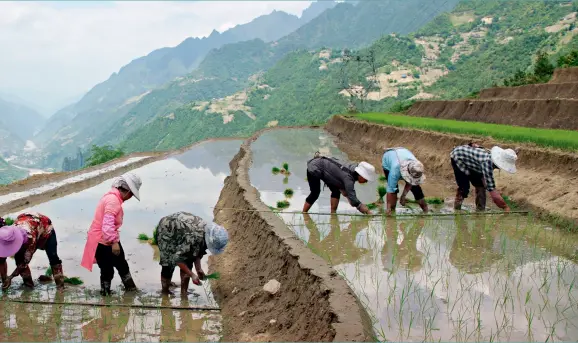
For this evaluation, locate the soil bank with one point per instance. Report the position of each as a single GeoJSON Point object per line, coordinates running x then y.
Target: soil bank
{"type": "Point", "coordinates": [541, 113]}
{"type": "Point", "coordinates": [546, 180]}
{"type": "Point", "coordinates": [314, 303]}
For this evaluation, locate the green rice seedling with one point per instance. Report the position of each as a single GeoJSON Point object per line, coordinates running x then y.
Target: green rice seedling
{"type": "Point", "coordinates": [9, 221]}
{"type": "Point", "coordinates": [286, 166]}
{"type": "Point", "coordinates": [213, 276]}
{"type": "Point", "coordinates": [285, 180]}
{"type": "Point", "coordinates": [382, 178]}
{"type": "Point", "coordinates": [275, 170]}
{"type": "Point", "coordinates": [155, 234]}
{"type": "Point", "coordinates": [48, 271]}
{"type": "Point", "coordinates": [371, 206]}
{"type": "Point", "coordinates": [381, 191]}
{"type": "Point", "coordinates": [562, 139]}
{"type": "Point", "coordinates": [73, 280]}
{"type": "Point", "coordinates": [288, 192]}
{"type": "Point", "coordinates": [143, 237]}
{"type": "Point", "coordinates": [283, 204]}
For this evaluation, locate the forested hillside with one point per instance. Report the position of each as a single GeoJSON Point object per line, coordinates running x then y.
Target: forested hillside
{"type": "Point", "coordinates": [9, 173]}
{"type": "Point", "coordinates": [78, 124]}
{"type": "Point", "coordinates": [478, 44]}
{"type": "Point", "coordinates": [245, 86]}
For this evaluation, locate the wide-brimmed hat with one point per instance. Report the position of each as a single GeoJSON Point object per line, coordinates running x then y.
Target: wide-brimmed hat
{"type": "Point", "coordinates": [366, 170]}
{"type": "Point", "coordinates": [412, 172]}
{"type": "Point", "coordinates": [504, 159]}
{"type": "Point", "coordinates": [132, 181]}
{"type": "Point", "coordinates": [11, 239]}
{"type": "Point", "coordinates": [216, 238]}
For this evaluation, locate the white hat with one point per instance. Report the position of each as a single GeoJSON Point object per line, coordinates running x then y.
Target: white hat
{"type": "Point", "coordinates": [412, 172]}
{"type": "Point", "coordinates": [132, 181]}
{"type": "Point", "coordinates": [505, 159]}
{"type": "Point", "coordinates": [366, 170]}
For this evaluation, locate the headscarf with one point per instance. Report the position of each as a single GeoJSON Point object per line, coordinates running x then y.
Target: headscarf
{"type": "Point", "coordinates": [216, 238]}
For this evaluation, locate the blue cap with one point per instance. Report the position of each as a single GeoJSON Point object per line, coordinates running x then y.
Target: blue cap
{"type": "Point", "coordinates": [216, 238]}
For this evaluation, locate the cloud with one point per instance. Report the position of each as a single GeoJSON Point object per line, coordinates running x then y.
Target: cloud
{"type": "Point", "coordinates": [65, 48]}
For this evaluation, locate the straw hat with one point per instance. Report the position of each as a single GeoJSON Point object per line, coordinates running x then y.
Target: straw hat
{"type": "Point", "coordinates": [132, 181]}
{"type": "Point", "coordinates": [366, 170]}
{"type": "Point", "coordinates": [11, 239]}
{"type": "Point", "coordinates": [505, 159]}
{"type": "Point", "coordinates": [216, 238]}
{"type": "Point", "coordinates": [412, 172]}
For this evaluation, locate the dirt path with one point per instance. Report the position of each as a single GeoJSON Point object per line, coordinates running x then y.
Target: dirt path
{"type": "Point", "coordinates": [313, 303]}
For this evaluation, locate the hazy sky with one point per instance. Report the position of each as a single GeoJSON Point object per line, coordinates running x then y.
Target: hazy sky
{"type": "Point", "coordinates": [54, 51]}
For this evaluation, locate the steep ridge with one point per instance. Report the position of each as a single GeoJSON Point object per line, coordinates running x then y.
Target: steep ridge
{"type": "Point", "coordinates": [563, 85]}
{"type": "Point", "coordinates": [565, 75]}
{"type": "Point", "coordinates": [366, 17]}
{"type": "Point", "coordinates": [551, 105]}
{"type": "Point", "coordinates": [546, 179]}
{"type": "Point", "coordinates": [568, 90]}
{"type": "Point", "coordinates": [313, 304]}
{"type": "Point", "coordinates": [551, 114]}
{"type": "Point", "coordinates": [113, 98]}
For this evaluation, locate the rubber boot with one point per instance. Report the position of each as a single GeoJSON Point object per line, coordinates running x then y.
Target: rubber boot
{"type": "Point", "coordinates": [58, 276]}
{"type": "Point", "coordinates": [185, 280]}
{"type": "Point", "coordinates": [27, 277]}
{"type": "Point", "coordinates": [128, 282]}
{"type": "Point", "coordinates": [166, 285]}
{"type": "Point", "coordinates": [104, 288]}
{"type": "Point", "coordinates": [458, 201]}
{"type": "Point", "coordinates": [480, 199]}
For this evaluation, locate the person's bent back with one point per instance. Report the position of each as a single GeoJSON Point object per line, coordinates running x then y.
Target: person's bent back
{"type": "Point", "coordinates": [340, 178]}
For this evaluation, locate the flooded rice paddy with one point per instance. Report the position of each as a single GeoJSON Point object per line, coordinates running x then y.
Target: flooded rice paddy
{"type": "Point", "coordinates": [451, 278]}
{"type": "Point", "coordinates": [188, 182]}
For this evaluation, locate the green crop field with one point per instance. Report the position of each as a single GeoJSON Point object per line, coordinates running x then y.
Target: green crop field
{"type": "Point", "coordinates": [561, 139]}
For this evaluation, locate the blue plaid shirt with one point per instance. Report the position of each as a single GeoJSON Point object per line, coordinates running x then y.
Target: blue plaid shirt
{"type": "Point", "coordinates": [477, 160]}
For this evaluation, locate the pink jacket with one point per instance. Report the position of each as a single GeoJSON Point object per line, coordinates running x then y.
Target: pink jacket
{"type": "Point", "coordinates": [105, 225]}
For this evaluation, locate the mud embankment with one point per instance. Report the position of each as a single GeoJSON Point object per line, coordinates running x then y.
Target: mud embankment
{"type": "Point", "coordinates": [546, 180]}
{"type": "Point", "coordinates": [567, 90]}
{"type": "Point", "coordinates": [565, 75]}
{"type": "Point", "coordinates": [551, 114]}
{"type": "Point", "coordinates": [313, 304]}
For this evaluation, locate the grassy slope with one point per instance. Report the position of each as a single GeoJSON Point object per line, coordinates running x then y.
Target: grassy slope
{"type": "Point", "coordinates": [9, 173]}
{"type": "Point", "coordinates": [562, 139]}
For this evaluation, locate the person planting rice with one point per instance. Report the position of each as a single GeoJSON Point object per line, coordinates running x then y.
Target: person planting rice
{"type": "Point", "coordinates": [340, 178]}
{"type": "Point", "coordinates": [474, 164]}
{"type": "Point", "coordinates": [400, 163]}
{"type": "Point", "coordinates": [183, 240]}
{"type": "Point", "coordinates": [30, 231]}
{"type": "Point", "coordinates": [103, 242]}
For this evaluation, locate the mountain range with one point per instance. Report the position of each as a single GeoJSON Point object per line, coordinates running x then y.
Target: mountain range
{"type": "Point", "coordinates": [220, 65]}
{"type": "Point", "coordinates": [284, 70]}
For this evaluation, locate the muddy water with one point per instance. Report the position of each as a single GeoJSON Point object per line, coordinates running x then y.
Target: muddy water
{"type": "Point", "coordinates": [188, 182]}
{"type": "Point", "coordinates": [482, 278]}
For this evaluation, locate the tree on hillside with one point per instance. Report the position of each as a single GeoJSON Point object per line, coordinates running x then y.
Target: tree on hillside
{"type": "Point", "coordinates": [358, 77]}
{"type": "Point", "coordinates": [543, 69]}
{"type": "Point", "coordinates": [570, 60]}
{"type": "Point", "coordinates": [102, 154]}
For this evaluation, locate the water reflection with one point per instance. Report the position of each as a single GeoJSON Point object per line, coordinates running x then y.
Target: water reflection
{"type": "Point", "coordinates": [296, 147]}
{"type": "Point", "coordinates": [479, 278]}
{"type": "Point", "coordinates": [189, 182]}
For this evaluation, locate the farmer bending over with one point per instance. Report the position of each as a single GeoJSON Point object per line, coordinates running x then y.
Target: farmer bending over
{"type": "Point", "coordinates": [474, 164]}
{"type": "Point", "coordinates": [183, 240]}
{"type": "Point", "coordinates": [400, 163]}
{"type": "Point", "coordinates": [30, 231]}
{"type": "Point", "coordinates": [340, 178]}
